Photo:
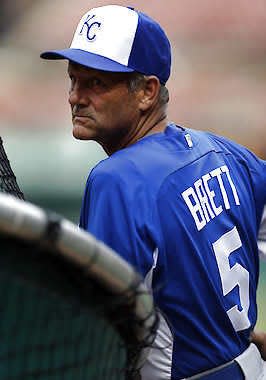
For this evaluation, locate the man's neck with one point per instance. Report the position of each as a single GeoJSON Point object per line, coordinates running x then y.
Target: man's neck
{"type": "Point", "coordinates": [148, 125]}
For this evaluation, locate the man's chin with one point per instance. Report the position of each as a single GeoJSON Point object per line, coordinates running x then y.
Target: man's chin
{"type": "Point", "coordinates": [81, 133]}
{"type": "Point", "coordinates": [79, 137]}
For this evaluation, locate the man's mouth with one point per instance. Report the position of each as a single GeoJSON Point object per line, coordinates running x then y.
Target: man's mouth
{"type": "Point", "coordinates": [81, 119]}
{"type": "Point", "coordinates": [79, 116]}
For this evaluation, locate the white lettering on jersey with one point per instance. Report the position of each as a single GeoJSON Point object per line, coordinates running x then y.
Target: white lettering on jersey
{"type": "Point", "coordinates": [201, 199]}
{"type": "Point", "coordinates": [233, 276]}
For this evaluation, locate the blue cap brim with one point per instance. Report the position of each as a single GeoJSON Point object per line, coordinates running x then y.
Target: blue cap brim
{"type": "Point", "coordinates": [87, 59]}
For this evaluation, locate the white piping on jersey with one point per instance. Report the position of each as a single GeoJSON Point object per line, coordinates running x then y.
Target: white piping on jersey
{"type": "Point", "coordinates": [189, 140]}
{"type": "Point", "coordinates": [250, 361]}
{"type": "Point", "coordinates": [262, 236]}
{"type": "Point", "coordinates": [158, 364]}
{"type": "Point", "coordinates": [149, 275]}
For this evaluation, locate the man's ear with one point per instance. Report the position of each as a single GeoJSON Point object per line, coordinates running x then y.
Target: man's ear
{"type": "Point", "coordinates": [149, 93]}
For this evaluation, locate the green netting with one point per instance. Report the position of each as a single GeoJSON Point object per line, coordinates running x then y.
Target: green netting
{"type": "Point", "coordinates": [8, 182]}
{"type": "Point", "coordinates": [53, 324]}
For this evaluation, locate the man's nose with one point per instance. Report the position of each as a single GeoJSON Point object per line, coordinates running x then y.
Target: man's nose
{"type": "Point", "coordinates": [77, 96]}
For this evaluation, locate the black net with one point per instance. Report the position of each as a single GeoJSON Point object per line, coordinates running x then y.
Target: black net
{"type": "Point", "coordinates": [8, 182]}
{"type": "Point", "coordinates": [53, 324]}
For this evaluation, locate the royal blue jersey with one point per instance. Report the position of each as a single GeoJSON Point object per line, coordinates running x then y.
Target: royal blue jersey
{"type": "Point", "coordinates": [193, 201]}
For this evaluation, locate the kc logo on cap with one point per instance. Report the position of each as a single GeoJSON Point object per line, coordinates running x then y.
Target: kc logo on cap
{"type": "Point", "coordinates": [124, 40]}
{"type": "Point", "coordinates": [91, 26]}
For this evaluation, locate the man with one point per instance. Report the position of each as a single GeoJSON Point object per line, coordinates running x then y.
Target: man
{"type": "Point", "coordinates": [183, 207]}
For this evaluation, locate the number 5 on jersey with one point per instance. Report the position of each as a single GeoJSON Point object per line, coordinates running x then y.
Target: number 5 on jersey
{"type": "Point", "coordinates": [233, 276]}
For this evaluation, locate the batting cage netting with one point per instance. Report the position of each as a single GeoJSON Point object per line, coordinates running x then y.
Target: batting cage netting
{"type": "Point", "coordinates": [70, 307]}
{"type": "Point", "coordinates": [8, 182]}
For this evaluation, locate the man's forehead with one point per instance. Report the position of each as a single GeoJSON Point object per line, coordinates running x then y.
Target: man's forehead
{"type": "Point", "coordinates": [74, 67]}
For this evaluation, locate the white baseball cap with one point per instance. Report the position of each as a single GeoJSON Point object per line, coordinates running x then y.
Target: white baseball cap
{"type": "Point", "coordinates": [119, 39]}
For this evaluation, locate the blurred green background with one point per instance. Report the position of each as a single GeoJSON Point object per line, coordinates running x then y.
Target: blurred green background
{"type": "Point", "coordinates": [218, 84]}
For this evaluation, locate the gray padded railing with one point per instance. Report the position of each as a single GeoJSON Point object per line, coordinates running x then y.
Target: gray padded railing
{"type": "Point", "coordinates": [25, 221]}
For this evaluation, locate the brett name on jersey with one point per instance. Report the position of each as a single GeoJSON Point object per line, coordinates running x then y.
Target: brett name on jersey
{"type": "Point", "coordinates": [202, 201]}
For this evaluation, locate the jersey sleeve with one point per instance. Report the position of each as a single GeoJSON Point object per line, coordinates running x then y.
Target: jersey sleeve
{"type": "Point", "coordinates": [114, 211]}
{"type": "Point", "coordinates": [257, 169]}
{"type": "Point", "coordinates": [254, 166]}
{"type": "Point", "coordinates": [262, 236]}
{"type": "Point", "coordinates": [261, 180]}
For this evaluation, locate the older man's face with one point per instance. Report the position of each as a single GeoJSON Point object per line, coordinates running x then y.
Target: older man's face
{"type": "Point", "coordinates": [103, 108]}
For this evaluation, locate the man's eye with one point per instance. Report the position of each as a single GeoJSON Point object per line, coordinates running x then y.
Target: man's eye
{"type": "Point", "coordinates": [95, 82]}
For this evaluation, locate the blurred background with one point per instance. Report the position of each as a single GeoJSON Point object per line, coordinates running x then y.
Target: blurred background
{"type": "Point", "coordinates": [218, 83]}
